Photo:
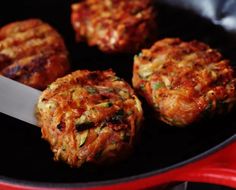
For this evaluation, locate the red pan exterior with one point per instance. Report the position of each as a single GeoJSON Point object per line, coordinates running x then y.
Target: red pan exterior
{"type": "Point", "coordinates": [216, 167]}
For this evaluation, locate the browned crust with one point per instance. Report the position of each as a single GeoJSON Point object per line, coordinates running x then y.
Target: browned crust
{"type": "Point", "coordinates": [32, 52]}
{"type": "Point", "coordinates": [89, 117]}
{"type": "Point", "coordinates": [184, 81]}
{"type": "Point", "coordinates": [114, 25]}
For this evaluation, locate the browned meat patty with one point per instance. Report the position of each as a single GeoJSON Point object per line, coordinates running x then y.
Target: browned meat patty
{"type": "Point", "coordinates": [32, 52]}
{"type": "Point", "coordinates": [89, 117]}
{"type": "Point", "coordinates": [184, 81]}
{"type": "Point", "coordinates": [114, 25]}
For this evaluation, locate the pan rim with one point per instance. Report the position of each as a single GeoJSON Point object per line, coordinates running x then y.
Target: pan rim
{"type": "Point", "coordinates": [25, 183]}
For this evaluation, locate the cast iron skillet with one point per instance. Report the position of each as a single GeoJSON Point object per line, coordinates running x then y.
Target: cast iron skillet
{"type": "Point", "coordinates": [203, 152]}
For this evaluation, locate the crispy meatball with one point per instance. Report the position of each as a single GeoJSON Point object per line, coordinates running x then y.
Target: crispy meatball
{"type": "Point", "coordinates": [114, 25]}
{"type": "Point", "coordinates": [89, 117]}
{"type": "Point", "coordinates": [184, 81]}
{"type": "Point", "coordinates": [32, 52]}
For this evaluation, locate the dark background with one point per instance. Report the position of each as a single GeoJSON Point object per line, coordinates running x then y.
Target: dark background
{"type": "Point", "coordinates": [202, 186]}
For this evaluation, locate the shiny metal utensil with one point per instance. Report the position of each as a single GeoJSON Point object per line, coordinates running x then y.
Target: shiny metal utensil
{"type": "Point", "coordinates": [18, 100]}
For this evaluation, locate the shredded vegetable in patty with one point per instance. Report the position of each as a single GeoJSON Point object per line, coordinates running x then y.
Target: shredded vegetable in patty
{"type": "Point", "coordinates": [33, 53]}
{"type": "Point", "coordinates": [184, 81]}
{"type": "Point", "coordinates": [114, 25]}
{"type": "Point", "coordinates": [89, 117]}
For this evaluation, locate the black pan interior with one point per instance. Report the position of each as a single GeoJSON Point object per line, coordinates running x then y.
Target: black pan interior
{"type": "Point", "coordinates": [24, 155]}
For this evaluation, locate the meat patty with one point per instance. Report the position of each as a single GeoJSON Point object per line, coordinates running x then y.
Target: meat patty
{"type": "Point", "coordinates": [32, 52]}
{"type": "Point", "coordinates": [114, 25]}
{"type": "Point", "coordinates": [184, 81]}
{"type": "Point", "coordinates": [89, 117]}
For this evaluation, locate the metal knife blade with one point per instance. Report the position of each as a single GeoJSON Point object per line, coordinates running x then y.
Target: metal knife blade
{"type": "Point", "coordinates": [18, 100]}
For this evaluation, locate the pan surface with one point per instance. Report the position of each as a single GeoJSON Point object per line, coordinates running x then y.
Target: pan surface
{"type": "Point", "coordinates": [26, 157]}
